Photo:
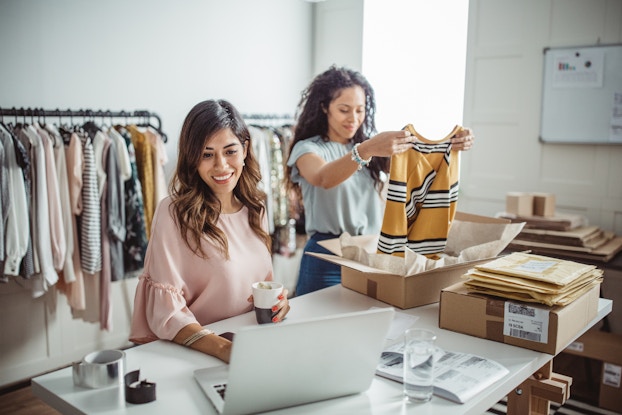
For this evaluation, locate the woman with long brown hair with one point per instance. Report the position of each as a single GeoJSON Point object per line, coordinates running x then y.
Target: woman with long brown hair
{"type": "Point", "coordinates": [338, 165]}
{"type": "Point", "coordinates": [209, 239]}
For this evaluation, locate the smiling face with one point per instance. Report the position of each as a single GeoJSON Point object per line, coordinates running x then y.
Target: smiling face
{"type": "Point", "coordinates": [345, 114]}
{"type": "Point", "coordinates": [221, 164]}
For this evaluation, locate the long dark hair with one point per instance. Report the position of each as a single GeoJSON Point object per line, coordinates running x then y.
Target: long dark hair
{"type": "Point", "coordinates": [312, 121]}
{"type": "Point", "coordinates": [195, 207]}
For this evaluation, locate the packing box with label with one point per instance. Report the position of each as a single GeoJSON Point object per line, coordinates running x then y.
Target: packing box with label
{"type": "Point", "coordinates": [607, 348]}
{"type": "Point", "coordinates": [412, 290]}
{"type": "Point", "coordinates": [528, 325]}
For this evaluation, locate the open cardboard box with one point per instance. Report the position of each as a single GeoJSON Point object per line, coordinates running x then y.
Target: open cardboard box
{"type": "Point", "coordinates": [403, 291]}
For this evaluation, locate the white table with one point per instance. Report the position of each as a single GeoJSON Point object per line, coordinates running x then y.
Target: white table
{"type": "Point", "coordinates": [171, 367]}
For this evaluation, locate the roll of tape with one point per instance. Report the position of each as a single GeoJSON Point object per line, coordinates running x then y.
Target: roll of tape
{"type": "Point", "coordinates": [138, 391]}
{"type": "Point", "coordinates": [100, 369]}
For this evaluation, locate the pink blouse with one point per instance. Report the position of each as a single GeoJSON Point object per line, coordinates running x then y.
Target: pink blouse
{"type": "Point", "coordinates": [178, 288]}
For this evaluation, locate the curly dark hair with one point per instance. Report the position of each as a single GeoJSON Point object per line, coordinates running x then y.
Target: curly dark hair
{"type": "Point", "coordinates": [312, 121]}
{"type": "Point", "coordinates": [194, 206]}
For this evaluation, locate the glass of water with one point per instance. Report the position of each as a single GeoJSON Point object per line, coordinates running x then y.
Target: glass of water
{"type": "Point", "coordinates": [419, 351]}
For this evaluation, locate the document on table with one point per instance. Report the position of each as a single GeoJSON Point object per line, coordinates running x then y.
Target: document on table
{"type": "Point", "coordinates": [457, 376]}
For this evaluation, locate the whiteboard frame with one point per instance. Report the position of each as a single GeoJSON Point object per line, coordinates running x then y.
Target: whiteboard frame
{"type": "Point", "coordinates": [579, 104]}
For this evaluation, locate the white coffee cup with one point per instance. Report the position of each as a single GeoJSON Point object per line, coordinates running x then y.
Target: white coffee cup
{"type": "Point", "coordinates": [265, 296]}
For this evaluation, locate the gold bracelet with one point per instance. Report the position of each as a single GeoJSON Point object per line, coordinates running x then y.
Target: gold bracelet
{"type": "Point", "coordinates": [196, 336]}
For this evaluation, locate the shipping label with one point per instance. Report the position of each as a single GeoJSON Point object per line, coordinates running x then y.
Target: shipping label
{"type": "Point", "coordinates": [536, 266]}
{"type": "Point", "coordinates": [576, 346]}
{"type": "Point", "coordinates": [611, 375]}
{"type": "Point", "coordinates": [526, 322]}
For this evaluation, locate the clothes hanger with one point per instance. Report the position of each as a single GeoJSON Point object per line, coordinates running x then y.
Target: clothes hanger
{"type": "Point", "coordinates": [89, 126]}
{"type": "Point", "coordinates": [146, 122]}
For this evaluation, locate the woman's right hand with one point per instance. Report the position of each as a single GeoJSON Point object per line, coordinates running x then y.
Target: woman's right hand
{"type": "Point", "coordinates": [386, 144]}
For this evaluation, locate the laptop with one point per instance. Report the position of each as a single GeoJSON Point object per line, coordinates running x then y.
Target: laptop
{"type": "Point", "coordinates": [274, 366]}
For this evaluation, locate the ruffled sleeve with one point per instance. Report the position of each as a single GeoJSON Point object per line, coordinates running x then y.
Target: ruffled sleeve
{"type": "Point", "coordinates": [160, 308]}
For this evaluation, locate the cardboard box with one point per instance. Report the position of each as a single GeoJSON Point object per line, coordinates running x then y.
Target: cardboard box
{"type": "Point", "coordinates": [599, 345]}
{"type": "Point", "coordinates": [606, 347]}
{"type": "Point", "coordinates": [400, 291]}
{"type": "Point", "coordinates": [519, 203]}
{"type": "Point", "coordinates": [485, 316]}
{"type": "Point", "coordinates": [610, 389]}
{"type": "Point", "coordinates": [612, 288]}
{"type": "Point", "coordinates": [543, 204]}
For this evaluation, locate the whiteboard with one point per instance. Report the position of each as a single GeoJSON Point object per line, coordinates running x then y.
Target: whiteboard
{"type": "Point", "coordinates": [582, 95]}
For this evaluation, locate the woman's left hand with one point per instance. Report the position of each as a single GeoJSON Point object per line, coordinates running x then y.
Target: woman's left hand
{"type": "Point", "coordinates": [463, 140]}
{"type": "Point", "coordinates": [282, 306]}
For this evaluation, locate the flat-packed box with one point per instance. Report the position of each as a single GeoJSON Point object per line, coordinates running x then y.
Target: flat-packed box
{"type": "Point", "coordinates": [407, 291]}
{"type": "Point", "coordinates": [529, 325]}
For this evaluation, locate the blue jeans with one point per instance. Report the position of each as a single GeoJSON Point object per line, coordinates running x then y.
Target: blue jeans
{"type": "Point", "coordinates": [315, 273]}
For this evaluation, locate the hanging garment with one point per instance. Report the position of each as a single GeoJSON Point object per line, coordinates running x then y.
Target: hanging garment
{"type": "Point", "coordinates": [4, 199]}
{"type": "Point", "coordinates": [421, 198]}
{"type": "Point", "coordinates": [71, 283]}
{"type": "Point", "coordinates": [22, 157]}
{"type": "Point", "coordinates": [115, 207]}
{"type": "Point", "coordinates": [160, 158]}
{"type": "Point", "coordinates": [105, 312]}
{"type": "Point", "coordinates": [277, 178]}
{"type": "Point", "coordinates": [16, 225]}
{"type": "Point", "coordinates": [145, 167]}
{"type": "Point", "coordinates": [57, 231]}
{"type": "Point", "coordinates": [90, 218]}
{"type": "Point", "coordinates": [74, 157]}
{"type": "Point", "coordinates": [261, 149]}
{"type": "Point", "coordinates": [40, 233]}
{"type": "Point", "coordinates": [135, 244]}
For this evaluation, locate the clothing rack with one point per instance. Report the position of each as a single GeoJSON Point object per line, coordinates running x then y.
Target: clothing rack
{"type": "Point", "coordinates": [144, 116]}
{"type": "Point", "coordinates": [268, 120]}
{"type": "Point", "coordinates": [267, 116]}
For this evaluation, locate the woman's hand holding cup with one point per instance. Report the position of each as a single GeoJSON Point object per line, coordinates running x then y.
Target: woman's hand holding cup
{"type": "Point", "coordinates": [270, 301]}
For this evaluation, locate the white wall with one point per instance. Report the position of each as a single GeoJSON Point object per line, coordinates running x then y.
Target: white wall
{"type": "Point", "coordinates": [159, 55]}
{"type": "Point", "coordinates": [416, 63]}
{"type": "Point", "coordinates": [506, 40]}
{"type": "Point", "coordinates": [338, 34]}
{"type": "Point", "coordinates": [414, 55]}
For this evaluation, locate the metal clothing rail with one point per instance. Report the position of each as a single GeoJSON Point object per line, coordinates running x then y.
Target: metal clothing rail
{"type": "Point", "coordinates": [144, 115]}
{"type": "Point", "coordinates": [268, 119]}
{"type": "Point", "coordinates": [267, 116]}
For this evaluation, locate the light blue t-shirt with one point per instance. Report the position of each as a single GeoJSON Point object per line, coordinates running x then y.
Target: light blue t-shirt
{"type": "Point", "coordinates": [354, 206]}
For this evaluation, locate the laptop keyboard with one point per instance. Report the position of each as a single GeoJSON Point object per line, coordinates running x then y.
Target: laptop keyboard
{"type": "Point", "coordinates": [221, 389]}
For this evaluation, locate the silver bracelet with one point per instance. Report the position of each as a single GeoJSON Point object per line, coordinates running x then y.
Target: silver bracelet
{"type": "Point", "coordinates": [356, 157]}
{"type": "Point", "coordinates": [196, 336]}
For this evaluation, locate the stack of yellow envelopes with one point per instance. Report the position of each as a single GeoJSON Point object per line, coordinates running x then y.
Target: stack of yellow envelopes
{"type": "Point", "coordinates": [534, 278]}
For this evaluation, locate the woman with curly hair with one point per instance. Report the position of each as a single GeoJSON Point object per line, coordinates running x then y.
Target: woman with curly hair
{"type": "Point", "coordinates": [209, 239]}
{"type": "Point", "coordinates": [337, 165]}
